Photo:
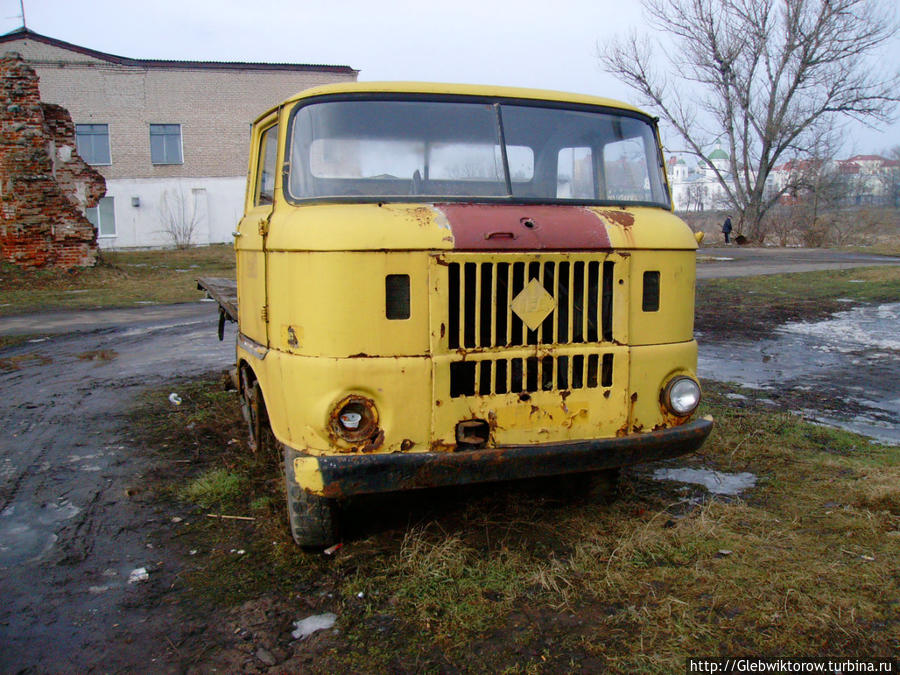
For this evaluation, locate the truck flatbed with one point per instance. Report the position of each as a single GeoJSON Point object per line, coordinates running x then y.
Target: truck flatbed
{"type": "Point", "coordinates": [224, 292]}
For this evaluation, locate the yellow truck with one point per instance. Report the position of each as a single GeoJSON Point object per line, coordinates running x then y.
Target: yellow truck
{"type": "Point", "coordinates": [446, 284]}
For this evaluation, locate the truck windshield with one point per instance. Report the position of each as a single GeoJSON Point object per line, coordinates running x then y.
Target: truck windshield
{"type": "Point", "coordinates": [427, 150]}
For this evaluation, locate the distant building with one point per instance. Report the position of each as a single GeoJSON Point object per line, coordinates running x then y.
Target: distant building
{"type": "Point", "coordinates": [696, 188]}
{"type": "Point", "coordinates": [170, 137]}
{"type": "Point", "coordinates": [859, 180]}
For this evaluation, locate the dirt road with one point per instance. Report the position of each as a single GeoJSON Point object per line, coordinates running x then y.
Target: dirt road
{"type": "Point", "coordinates": [742, 261]}
{"type": "Point", "coordinates": [74, 523]}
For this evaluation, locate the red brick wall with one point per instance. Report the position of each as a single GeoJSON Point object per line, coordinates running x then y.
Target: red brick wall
{"type": "Point", "coordinates": [44, 184]}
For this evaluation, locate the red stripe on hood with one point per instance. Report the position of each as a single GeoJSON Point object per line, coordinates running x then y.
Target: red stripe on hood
{"type": "Point", "coordinates": [523, 227]}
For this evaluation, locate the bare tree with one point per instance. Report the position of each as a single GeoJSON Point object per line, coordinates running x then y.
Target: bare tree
{"type": "Point", "coordinates": [782, 225]}
{"type": "Point", "coordinates": [180, 217]}
{"type": "Point", "coordinates": [695, 194]}
{"type": "Point", "coordinates": [819, 189]}
{"type": "Point", "coordinates": [763, 77]}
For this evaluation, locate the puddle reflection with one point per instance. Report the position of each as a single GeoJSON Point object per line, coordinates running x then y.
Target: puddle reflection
{"type": "Point", "coordinates": [852, 356]}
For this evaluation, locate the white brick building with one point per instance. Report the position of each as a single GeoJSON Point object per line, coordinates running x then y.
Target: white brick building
{"type": "Point", "coordinates": [166, 135]}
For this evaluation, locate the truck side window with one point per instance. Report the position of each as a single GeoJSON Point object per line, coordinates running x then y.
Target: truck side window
{"type": "Point", "coordinates": [265, 177]}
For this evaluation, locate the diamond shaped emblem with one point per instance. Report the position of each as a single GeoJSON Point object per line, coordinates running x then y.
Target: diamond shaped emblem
{"type": "Point", "coordinates": [533, 304]}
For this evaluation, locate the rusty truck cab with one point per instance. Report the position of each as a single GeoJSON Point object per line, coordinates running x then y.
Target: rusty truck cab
{"type": "Point", "coordinates": [448, 284]}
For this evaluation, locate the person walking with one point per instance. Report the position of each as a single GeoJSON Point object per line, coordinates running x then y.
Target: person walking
{"type": "Point", "coordinates": [726, 229]}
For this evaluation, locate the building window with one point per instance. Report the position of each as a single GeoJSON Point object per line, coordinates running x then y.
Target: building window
{"type": "Point", "coordinates": [92, 141]}
{"type": "Point", "coordinates": [103, 217]}
{"type": "Point", "coordinates": [165, 144]}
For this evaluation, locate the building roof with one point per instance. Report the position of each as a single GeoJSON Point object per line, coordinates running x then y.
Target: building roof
{"type": "Point", "coordinates": [27, 34]}
{"type": "Point", "coordinates": [800, 164]}
{"type": "Point", "coordinates": [867, 158]}
{"type": "Point", "coordinates": [848, 166]}
{"type": "Point", "coordinates": [718, 153]}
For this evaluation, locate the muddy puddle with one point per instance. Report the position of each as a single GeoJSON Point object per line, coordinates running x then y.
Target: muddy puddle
{"type": "Point", "coordinates": [27, 531]}
{"type": "Point", "coordinates": [843, 371]}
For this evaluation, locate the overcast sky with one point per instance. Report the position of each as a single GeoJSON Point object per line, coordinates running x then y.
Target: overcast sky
{"type": "Point", "coordinates": [550, 44]}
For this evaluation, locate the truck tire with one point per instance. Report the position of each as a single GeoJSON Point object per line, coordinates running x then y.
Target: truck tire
{"type": "Point", "coordinates": [259, 434]}
{"type": "Point", "coordinates": [314, 520]}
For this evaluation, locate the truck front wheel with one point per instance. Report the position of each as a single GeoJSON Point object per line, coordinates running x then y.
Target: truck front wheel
{"type": "Point", "coordinates": [314, 520]}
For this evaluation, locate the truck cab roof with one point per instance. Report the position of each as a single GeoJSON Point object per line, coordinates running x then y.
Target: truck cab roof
{"type": "Point", "coordinates": [444, 89]}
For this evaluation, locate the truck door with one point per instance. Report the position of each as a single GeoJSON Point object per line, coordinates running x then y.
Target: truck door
{"type": "Point", "coordinates": [250, 238]}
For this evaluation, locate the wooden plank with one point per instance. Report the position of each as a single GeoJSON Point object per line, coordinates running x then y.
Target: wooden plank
{"type": "Point", "coordinates": [223, 291]}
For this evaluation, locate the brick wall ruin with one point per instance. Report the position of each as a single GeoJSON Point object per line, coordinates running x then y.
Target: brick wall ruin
{"type": "Point", "coordinates": [44, 184]}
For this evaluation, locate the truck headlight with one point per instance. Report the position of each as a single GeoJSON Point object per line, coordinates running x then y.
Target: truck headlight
{"type": "Point", "coordinates": [682, 395]}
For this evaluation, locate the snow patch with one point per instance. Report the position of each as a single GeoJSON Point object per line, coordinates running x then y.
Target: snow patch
{"type": "Point", "coordinates": [717, 482]}
{"type": "Point", "coordinates": [306, 627]}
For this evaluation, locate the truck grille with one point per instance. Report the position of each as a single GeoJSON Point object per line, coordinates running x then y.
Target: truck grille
{"type": "Point", "coordinates": [481, 295]}
{"type": "Point", "coordinates": [503, 376]}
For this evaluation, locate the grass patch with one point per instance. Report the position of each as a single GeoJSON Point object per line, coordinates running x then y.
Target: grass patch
{"type": "Point", "coordinates": [881, 248]}
{"type": "Point", "coordinates": [10, 341]}
{"type": "Point", "coordinates": [214, 488]}
{"type": "Point", "coordinates": [444, 585]}
{"type": "Point", "coordinates": [16, 362]}
{"type": "Point", "coordinates": [515, 578]}
{"type": "Point", "coordinates": [120, 279]}
{"type": "Point", "coordinates": [750, 306]}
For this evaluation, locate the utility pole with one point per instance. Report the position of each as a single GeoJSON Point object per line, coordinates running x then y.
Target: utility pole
{"type": "Point", "coordinates": [22, 7]}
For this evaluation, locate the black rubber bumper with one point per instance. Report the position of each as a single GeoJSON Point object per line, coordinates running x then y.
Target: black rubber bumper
{"type": "Point", "coordinates": [345, 475]}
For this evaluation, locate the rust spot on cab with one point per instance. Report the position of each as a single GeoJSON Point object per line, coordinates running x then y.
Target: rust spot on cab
{"type": "Point", "coordinates": [422, 216]}
{"type": "Point", "coordinates": [441, 446]}
{"type": "Point", "coordinates": [670, 419]}
{"type": "Point", "coordinates": [622, 218]}
{"type": "Point", "coordinates": [374, 442]}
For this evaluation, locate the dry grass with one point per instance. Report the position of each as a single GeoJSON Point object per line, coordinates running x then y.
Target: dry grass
{"type": "Point", "coordinates": [518, 579]}
{"type": "Point", "coordinates": [120, 279]}
{"type": "Point", "coordinates": [10, 341]}
{"type": "Point", "coordinates": [865, 229]}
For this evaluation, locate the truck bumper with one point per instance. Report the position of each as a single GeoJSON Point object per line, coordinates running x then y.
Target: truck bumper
{"type": "Point", "coordinates": [339, 476]}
